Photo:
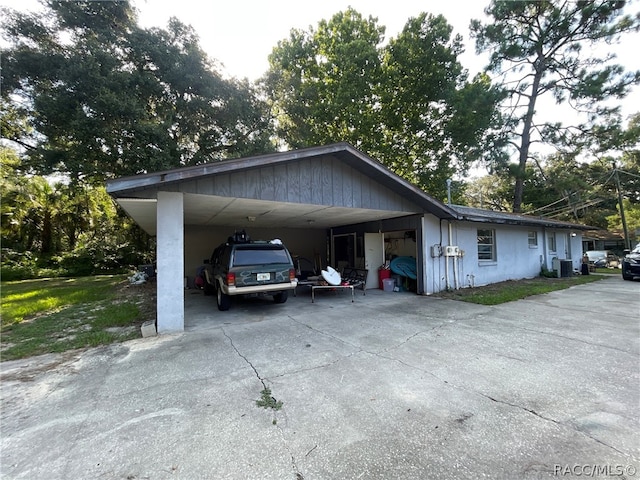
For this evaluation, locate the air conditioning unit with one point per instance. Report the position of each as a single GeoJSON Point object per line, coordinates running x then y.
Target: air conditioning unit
{"type": "Point", "coordinates": [451, 251]}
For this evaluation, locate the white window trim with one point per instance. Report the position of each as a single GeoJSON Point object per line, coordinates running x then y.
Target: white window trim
{"type": "Point", "coordinates": [494, 252]}
{"type": "Point", "coordinates": [551, 238]}
{"type": "Point", "coordinates": [535, 238]}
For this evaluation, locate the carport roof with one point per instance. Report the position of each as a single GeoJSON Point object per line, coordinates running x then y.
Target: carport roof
{"type": "Point", "coordinates": [137, 193]}
{"type": "Point", "coordinates": [488, 216]}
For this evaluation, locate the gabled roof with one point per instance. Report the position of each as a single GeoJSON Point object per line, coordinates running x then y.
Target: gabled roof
{"type": "Point", "coordinates": [472, 214]}
{"type": "Point", "coordinates": [125, 186]}
{"type": "Point", "coordinates": [137, 193]}
{"type": "Point", "coordinates": [327, 186]}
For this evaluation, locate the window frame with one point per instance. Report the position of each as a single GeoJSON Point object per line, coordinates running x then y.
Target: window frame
{"type": "Point", "coordinates": [532, 239]}
{"type": "Point", "coordinates": [492, 245]}
{"type": "Point", "coordinates": [552, 242]}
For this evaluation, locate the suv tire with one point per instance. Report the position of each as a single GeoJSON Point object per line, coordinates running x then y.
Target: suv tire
{"type": "Point", "coordinates": [208, 288]}
{"type": "Point", "coordinates": [281, 297]}
{"type": "Point", "coordinates": [223, 300]}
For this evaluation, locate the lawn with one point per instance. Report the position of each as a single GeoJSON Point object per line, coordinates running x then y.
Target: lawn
{"type": "Point", "coordinates": [511, 290]}
{"type": "Point", "coordinates": [60, 314]}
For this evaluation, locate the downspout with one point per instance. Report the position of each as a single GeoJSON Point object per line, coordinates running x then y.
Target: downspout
{"type": "Point", "coordinates": [544, 248]}
{"type": "Point", "coordinates": [425, 252]}
{"type": "Point", "coordinates": [456, 283]}
{"type": "Point", "coordinates": [446, 258]}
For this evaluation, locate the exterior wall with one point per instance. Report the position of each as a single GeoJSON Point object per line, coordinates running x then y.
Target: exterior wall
{"type": "Point", "coordinates": [200, 242]}
{"type": "Point", "coordinates": [515, 258]}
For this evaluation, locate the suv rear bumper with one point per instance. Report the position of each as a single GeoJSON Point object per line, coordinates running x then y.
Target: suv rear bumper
{"type": "Point", "coordinates": [276, 287]}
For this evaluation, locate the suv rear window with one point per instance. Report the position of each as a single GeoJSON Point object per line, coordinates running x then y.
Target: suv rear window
{"type": "Point", "coordinates": [259, 256]}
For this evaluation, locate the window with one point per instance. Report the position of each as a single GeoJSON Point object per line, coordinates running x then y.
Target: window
{"type": "Point", "coordinates": [533, 239]}
{"type": "Point", "coordinates": [552, 242]}
{"type": "Point", "coordinates": [486, 245]}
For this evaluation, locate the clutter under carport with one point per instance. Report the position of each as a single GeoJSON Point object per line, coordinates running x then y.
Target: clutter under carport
{"type": "Point", "coordinates": [331, 279]}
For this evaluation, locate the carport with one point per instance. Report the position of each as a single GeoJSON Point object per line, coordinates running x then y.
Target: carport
{"type": "Point", "coordinates": [305, 197]}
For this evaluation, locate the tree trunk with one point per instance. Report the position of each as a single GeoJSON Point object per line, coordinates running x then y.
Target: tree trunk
{"type": "Point", "coordinates": [525, 138]}
{"type": "Point", "coordinates": [47, 235]}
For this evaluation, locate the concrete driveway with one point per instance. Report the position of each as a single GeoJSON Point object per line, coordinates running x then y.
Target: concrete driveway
{"type": "Point", "coordinates": [391, 386]}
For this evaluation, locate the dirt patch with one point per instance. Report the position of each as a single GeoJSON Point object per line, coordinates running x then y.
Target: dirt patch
{"type": "Point", "coordinates": [144, 296]}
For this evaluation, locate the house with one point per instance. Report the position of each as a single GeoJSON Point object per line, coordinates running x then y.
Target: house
{"type": "Point", "coordinates": [336, 204]}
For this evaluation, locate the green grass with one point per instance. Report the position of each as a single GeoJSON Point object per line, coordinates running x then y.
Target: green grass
{"type": "Point", "coordinates": [56, 315]}
{"type": "Point", "coordinates": [509, 291]}
{"type": "Point", "coordinates": [609, 271]}
{"type": "Point", "coordinates": [26, 298]}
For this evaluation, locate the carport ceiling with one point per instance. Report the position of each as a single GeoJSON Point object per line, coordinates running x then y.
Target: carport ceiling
{"type": "Point", "coordinates": [212, 210]}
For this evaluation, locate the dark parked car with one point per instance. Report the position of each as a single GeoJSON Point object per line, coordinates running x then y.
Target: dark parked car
{"type": "Point", "coordinates": [243, 267]}
{"type": "Point", "coordinates": [631, 263]}
{"type": "Point", "coordinates": [603, 258]}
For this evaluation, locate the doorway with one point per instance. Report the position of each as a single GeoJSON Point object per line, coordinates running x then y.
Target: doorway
{"type": "Point", "coordinates": [343, 252]}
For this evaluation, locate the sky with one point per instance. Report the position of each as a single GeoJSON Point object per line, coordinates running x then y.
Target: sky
{"type": "Point", "coordinates": [240, 34]}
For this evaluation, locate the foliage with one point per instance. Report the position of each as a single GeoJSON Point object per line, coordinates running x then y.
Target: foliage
{"type": "Point", "coordinates": [632, 217]}
{"type": "Point", "coordinates": [267, 401]}
{"type": "Point", "coordinates": [491, 192]}
{"type": "Point", "coordinates": [62, 229]}
{"type": "Point", "coordinates": [539, 47]}
{"type": "Point", "coordinates": [563, 187]}
{"type": "Point", "coordinates": [323, 83]}
{"type": "Point", "coordinates": [102, 97]}
{"type": "Point", "coordinates": [408, 103]}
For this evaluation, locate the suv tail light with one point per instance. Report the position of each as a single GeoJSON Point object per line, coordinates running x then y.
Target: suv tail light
{"type": "Point", "coordinates": [231, 279]}
{"type": "Point", "coordinates": [292, 274]}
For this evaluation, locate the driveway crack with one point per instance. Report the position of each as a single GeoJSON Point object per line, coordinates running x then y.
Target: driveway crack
{"type": "Point", "coordinates": [593, 344]}
{"type": "Point", "coordinates": [245, 359]}
{"type": "Point", "coordinates": [435, 328]}
{"type": "Point", "coordinates": [548, 419]}
{"type": "Point", "coordinates": [294, 465]}
{"type": "Point", "coordinates": [325, 333]}
{"type": "Point", "coordinates": [502, 402]}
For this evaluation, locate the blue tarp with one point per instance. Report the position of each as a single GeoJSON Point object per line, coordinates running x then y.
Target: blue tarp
{"type": "Point", "coordinates": [405, 266]}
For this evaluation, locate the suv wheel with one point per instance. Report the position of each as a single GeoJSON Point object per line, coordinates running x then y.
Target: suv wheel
{"type": "Point", "coordinates": [208, 288]}
{"type": "Point", "coordinates": [223, 301]}
{"type": "Point", "coordinates": [281, 297]}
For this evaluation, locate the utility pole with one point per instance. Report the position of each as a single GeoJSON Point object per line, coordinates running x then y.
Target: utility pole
{"type": "Point", "coordinates": [627, 243]}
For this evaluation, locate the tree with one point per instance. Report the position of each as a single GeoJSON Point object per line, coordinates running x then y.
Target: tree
{"type": "Point", "coordinates": [408, 103]}
{"type": "Point", "coordinates": [435, 122]}
{"type": "Point", "coordinates": [105, 98]}
{"type": "Point", "coordinates": [539, 47]}
{"type": "Point", "coordinates": [323, 83]}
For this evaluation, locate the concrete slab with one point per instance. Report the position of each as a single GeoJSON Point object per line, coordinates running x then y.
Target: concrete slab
{"type": "Point", "coordinates": [391, 386]}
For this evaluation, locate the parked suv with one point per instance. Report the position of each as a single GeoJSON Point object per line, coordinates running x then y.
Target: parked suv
{"type": "Point", "coordinates": [631, 264]}
{"type": "Point", "coordinates": [243, 267]}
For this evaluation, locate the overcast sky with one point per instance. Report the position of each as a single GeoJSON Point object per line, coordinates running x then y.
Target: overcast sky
{"type": "Point", "coordinates": [240, 34]}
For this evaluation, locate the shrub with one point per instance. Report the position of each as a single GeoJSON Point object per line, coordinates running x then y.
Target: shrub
{"type": "Point", "coordinates": [17, 265]}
